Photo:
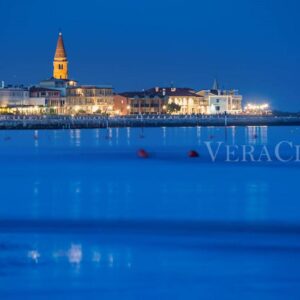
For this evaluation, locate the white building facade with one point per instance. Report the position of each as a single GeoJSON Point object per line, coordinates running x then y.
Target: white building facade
{"type": "Point", "coordinates": [221, 101]}
{"type": "Point", "coordinates": [13, 96]}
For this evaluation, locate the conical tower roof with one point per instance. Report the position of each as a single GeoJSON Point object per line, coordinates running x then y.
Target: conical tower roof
{"type": "Point", "coordinates": [60, 51]}
{"type": "Point", "coordinates": [215, 85]}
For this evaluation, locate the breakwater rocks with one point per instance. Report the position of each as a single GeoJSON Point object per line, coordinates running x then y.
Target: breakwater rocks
{"type": "Point", "coordinates": [72, 122]}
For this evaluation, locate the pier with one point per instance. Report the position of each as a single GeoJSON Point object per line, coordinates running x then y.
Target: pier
{"type": "Point", "coordinates": [71, 122]}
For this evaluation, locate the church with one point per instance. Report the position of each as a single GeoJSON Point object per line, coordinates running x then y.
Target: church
{"type": "Point", "coordinates": [60, 63]}
{"type": "Point", "coordinates": [60, 79]}
{"type": "Point", "coordinates": [86, 99]}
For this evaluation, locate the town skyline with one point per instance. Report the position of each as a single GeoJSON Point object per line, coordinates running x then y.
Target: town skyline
{"type": "Point", "coordinates": [130, 54]}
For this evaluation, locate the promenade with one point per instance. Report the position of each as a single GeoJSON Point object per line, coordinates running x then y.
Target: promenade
{"type": "Point", "coordinates": [71, 122]}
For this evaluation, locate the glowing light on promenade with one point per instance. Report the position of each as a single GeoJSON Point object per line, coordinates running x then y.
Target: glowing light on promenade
{"type": "Point", "coordinates": [257, 108]}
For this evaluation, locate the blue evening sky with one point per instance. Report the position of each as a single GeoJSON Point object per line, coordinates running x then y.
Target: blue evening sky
{"type": "Point", "coordinates": [250, 45]}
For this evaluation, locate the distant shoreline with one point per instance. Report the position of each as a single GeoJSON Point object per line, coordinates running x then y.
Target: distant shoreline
{"type": "Point", "coordinates": [81, 122]}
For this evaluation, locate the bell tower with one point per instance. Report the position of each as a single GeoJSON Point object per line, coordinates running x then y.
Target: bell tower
{"type": "Point", "coordinates": [60, 63]}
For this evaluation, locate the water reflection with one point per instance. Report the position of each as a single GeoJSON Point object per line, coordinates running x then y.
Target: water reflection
{"type": "Point", "coordinates": [164, 135]}
{"type": "Point", "coordinates": [109, 135]}
{"type": "Point", "coordinates": [264, 134]}
{"type": "Point", "coordinates": [96, 257]}
{"type": "Point", "coordinates": [129, 267]}
{"type": "Point", "coordinates": [76, 199]}
{"type": "Point", "coordinates": [36, 198]}
{"type": "Point", "coordinates": [97, 136]}
{"type": "Point", "coordinates": [166, 195]}
{"type": "Point", "coordinates": [54, 138]}
{"type": "Point", "coordinates": [128, 135]}
{"type": "Point", "coordinates": [75, 137]}
{"type": "Point", "coordinates": [74, 254]}
{"type": "Point", "coordinates": [110, 259]}
{"type": "Point", "coordinates": [34, 255]}
{"type": "Point", "coordinates": [36, 138]}
{"type": "Point", "coordinates": [256, 135]}
{"type": "Point", "coordinates": [56, 251]}
{"type": "Point", "coordinates": [233, 134]}
{"type": "Point", "coordinates": [257, 201]}
{"type": "Point", "coordinates": [117, 136]}
{"type": "Point", "coordinates": [198, 133]}
{"type": "Point", "coordinates": [95, 182]}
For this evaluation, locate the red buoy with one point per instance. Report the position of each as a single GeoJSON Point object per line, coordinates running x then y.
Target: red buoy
{"type": "Point", "coordinates": [193, 154]}
{"type": "Point", "coordinates": [142, 153]}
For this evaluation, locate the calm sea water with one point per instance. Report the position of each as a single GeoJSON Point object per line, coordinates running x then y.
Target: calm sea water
{"type": "Point", "coordinates": [81, 216]}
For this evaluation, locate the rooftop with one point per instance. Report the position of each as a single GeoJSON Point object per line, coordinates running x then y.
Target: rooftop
{"type": "Point", "coordinates": [162, 92]}
{"type": "Point", "coordinates": [42, 89]}
{"type": "Point", "coordinates": [91, 87]}
{"type": "Point", "coordinates": [60, 52]}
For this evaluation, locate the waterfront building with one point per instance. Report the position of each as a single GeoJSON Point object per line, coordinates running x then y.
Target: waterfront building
{"type": "Point", "coordinates": [157, 100]}
{"type": "Point", "coordinates": [220, 101]}
{"type": "Point", "coordinates": [16, 99]}
{"type": "Point", "coordinates": [53, 100]}
{"type": "Point", "coordinates": [58, 84]}
{"type": "Point", "coordinates": [13, 96]}
{"type": "Point", "coordinates": [144, 102]}
{"type": "Point", "coordinates": [187, 99]}
{"type": "Point", "coordinates": [88, 99]}
{"type": "Point", "coordinates": [120, 105]}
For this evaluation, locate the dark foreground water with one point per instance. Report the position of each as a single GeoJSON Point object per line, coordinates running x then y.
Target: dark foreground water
{"type": "Point", "coordinates": [82, 217]}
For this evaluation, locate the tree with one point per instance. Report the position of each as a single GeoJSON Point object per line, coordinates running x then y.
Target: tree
{"type": "Point", "coordinates": [98, 112]}
{"type": "Point", "coordinates": [52, 111]}
{"type": "Point", "coordinates": [81, 112]}
{"type": "Point", "coordinates": [173, 108]}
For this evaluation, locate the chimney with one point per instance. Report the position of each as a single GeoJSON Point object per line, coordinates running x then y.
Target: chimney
{"type": "Point", "coordinates": [157, 89]}
{"type": "Point", "coordinates": [2, 84]}
{"type": "Point", "coordinates": [164, 92]}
